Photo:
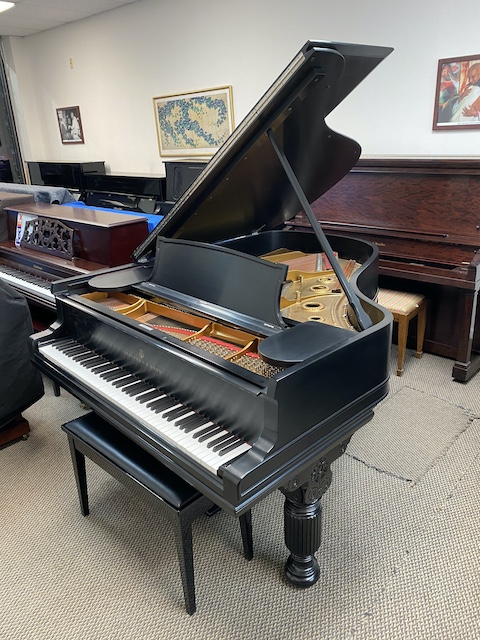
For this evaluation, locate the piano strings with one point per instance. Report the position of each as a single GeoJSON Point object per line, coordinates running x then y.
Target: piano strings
{"type": "Point", "coordinates": [306, 296]}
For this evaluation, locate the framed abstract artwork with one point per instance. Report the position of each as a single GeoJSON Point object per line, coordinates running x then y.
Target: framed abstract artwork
{"type": "Point", "coordinates": [457, 97]}
{"type": "Point", "coordinates": [70, 125]}
{"type": "Point", "coordinates": [194, 124]}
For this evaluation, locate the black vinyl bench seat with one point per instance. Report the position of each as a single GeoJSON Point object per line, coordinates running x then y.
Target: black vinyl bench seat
{"type": "Point", "coordinates": [93, 437]}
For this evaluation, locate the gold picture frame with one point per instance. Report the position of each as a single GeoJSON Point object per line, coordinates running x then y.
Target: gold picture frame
{"type": "Point", "coordinates": [195, 123]}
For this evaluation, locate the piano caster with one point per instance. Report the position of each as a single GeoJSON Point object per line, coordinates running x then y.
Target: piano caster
{"type": "Point", "coordinates": [303, 520]}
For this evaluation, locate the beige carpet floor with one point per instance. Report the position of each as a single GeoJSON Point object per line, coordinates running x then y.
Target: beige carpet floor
{"type": "Point", "coordinates": [400, 555]}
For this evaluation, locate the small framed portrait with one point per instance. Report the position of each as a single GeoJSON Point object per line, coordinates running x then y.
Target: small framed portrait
{"type": "Point", "coordinates": [195, 123]}
{"type": "Point", "coordinates": [70, 125]}
{"type": "Point", "coordinates": [457, 98]}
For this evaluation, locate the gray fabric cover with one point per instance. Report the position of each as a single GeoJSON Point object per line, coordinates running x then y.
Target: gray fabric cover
{"type": "Point", "coordinates": [49, 195]}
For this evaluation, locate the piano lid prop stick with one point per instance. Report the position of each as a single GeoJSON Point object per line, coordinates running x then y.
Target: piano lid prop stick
{"type": "Point", "coordinates": [363, 319]}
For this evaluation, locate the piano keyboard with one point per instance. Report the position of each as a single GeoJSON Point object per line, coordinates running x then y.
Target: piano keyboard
{"type": "Point", "coordinates": [27, 284]}
{"type": "Point", "coordinates": [199, 438]}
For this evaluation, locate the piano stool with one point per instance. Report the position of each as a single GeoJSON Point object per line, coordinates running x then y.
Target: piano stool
{"type": "Point", "coordinates": [114, 452]}
{"type": "Point", "coordinates": [404, 307]}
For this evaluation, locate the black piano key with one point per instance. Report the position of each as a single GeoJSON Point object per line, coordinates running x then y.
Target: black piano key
{"type": "Point", "coordinates": [226, 443]}
{"type": "Point", "coordinates": [125, 384]}
{"type": "Point", "coordinates": [207, 433]}
{"type": "Point", "coordinates": [229, 447]}
{"type": "Point", "coordinates": [113, 375]}
{"type": "Point", "coordinates": [91, 362]}
{"type": "Point", "coordinates": [137, 388]}
{"type": "Point", "coordinates": [154, 394]}
{"type": "Point", "coordinates": [104, 367]}
{"type": "Point", "coordinates": [162, 404]}
{"type": "Point", "coordinates": [64, 342]}
{"type": "Point", "coordinates": [190, 422]}
{"type": "Point", "coordinates": [124, 381]}
{"type": "Point", "coordinates": [219, 441]}
{"type": "Point", "coordinates": [208, 429]}
{"type": "Point", "coordinates": [70, 345]}
{"type": "Point", "coordinates": [84, 355]}
{"type": "Point", "coordinates": [73, 350]}
{"type": "Point", "coordinates": [176, 413]}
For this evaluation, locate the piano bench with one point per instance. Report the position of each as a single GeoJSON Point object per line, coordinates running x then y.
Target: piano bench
{"type": "Point", "coordinates": [404, 307]}
{"type": "Point", "coordinates": [114, 452]}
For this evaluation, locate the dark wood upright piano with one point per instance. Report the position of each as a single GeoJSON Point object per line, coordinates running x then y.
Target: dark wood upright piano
{"type": "Point", "coordinates": [59, 242]}
{"type": "Point", "coordinates": [240, 354]}
{"type": "Point", "coordinates": [423, 216]}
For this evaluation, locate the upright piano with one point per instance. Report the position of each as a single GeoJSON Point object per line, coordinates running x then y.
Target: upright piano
{"type": "Point", "coordinates": [241, 354]}
{"type": "Point", "coordinates": [145, 194]}
{"type": "Point", "coordinates": [60, 241]}
{"type": "Point", "coordinates": [70, 175]}
{"type": "Point", "coordinates": [422, 215]}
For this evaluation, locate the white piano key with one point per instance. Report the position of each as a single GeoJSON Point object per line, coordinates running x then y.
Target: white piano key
{"type": "Point", "coordinates": [28, 287]}
{"type": "Point", "coordinates": [153, 420]}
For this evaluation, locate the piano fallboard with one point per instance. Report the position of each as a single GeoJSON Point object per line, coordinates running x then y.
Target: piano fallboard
{"type": "Point", "coordinates": [432, 261]}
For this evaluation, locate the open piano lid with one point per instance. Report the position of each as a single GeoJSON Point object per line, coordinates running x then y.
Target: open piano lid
{"type": "Point", "coordinates": [244, 187]}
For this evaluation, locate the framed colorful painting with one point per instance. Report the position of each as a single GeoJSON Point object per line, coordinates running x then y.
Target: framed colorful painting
{"type": "Point", "coordinates": [457, 97]}
{"type": "Point", "coordinates": [194, 124]}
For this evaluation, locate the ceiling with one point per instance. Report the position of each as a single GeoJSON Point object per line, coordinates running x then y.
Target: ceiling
{"type": "Point", "coordinates": [32, 16]}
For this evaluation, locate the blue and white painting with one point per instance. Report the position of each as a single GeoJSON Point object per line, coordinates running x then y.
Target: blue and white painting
{"type": "Point", "coordinates": [194, 123]}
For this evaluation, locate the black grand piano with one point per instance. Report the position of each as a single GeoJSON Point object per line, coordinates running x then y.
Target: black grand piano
{"type": "Point", "coordinates": [241, 354]}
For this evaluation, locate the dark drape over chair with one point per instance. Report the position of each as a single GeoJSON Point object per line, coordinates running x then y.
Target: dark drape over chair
{"type": "Point", "coordinates": [20, 383]}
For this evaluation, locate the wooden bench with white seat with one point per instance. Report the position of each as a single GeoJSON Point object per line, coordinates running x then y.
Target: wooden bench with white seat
{"type": "Point", "coordinates": [404, 307]}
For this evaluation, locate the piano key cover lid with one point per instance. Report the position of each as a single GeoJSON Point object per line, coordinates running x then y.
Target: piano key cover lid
{"type": "Point", "coordinates": [243, 188]}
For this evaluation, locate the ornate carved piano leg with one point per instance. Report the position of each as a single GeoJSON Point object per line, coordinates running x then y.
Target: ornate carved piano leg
{"type": "Point", "coordinates": [302, 519]}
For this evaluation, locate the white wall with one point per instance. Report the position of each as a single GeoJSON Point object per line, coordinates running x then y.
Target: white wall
{"type": "Point", "coordinates": [125, 57]}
